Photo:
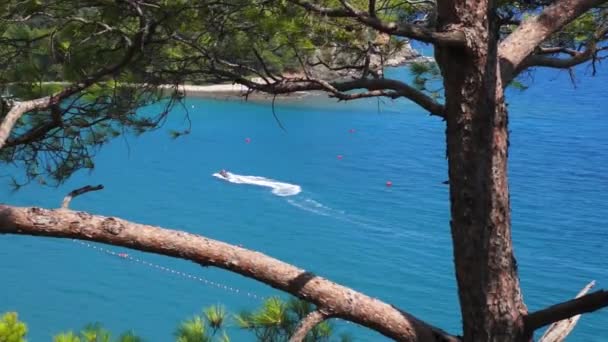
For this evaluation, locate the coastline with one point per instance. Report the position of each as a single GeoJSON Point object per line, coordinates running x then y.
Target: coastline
{"type": "Point", "coordinates": [235, 91]}
{"type": "Point", "coordinates": [231, 91]}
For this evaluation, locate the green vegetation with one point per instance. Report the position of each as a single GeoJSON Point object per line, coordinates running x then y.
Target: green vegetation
{"type": "Point", "coordinates": [121, 53]}
{"type": "Point", "coordinates": [11, 329]}
{"type": "Point", "coordinates": [274, 321]}
{"type": "Point", "coordinates": [95, 333]}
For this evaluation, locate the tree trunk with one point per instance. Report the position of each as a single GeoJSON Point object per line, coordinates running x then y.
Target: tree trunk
{"type": "Point", "coordinates": [477, 141]}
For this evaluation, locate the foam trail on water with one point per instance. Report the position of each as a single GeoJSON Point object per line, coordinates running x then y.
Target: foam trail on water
{"type": "Point", "coordinates": [278, 188]}
{"type": "Point", "coordinates": [317, 208]}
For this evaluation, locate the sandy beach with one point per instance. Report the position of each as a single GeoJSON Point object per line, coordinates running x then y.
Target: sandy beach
{"type": "Point", "coordinates": [234, 91]}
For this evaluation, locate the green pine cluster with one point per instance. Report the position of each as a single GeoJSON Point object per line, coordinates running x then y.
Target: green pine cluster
{"type": "Point", "coordinates": [48, 45]}
{"type": "Point", "coordinates": [274, 321]}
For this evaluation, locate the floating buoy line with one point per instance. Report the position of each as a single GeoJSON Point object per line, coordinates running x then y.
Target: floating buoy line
{"type": "Point", "coordinates": [207, 282]}
{"type": "Point", "coordinates": [128, 257]}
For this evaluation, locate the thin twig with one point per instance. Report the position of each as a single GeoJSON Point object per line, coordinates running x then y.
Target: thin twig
{"type": "Point", "coordinates": [276, 118]}
{"type": "Point", "coordinates": [307, 324]}
{"type": "Point", "coordinates": [74, 193]}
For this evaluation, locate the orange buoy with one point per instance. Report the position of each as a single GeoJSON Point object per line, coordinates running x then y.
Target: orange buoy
{"type": "Point", "coordinates": [389, 184]}
{"type": "Point", "coordinates": [352, 130]}
{"type": "Point", "coordinates": [339, 156]}
{"type": "Point", "coordinates": [248, 140]}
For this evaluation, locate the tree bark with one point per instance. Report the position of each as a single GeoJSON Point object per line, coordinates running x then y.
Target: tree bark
{"type": "Point", "coordinates": [336, 300]}
{"type": "Point", "coordinates": [514, 50]}
{"type": "Point", "coordinates": [307, 324]}
{"type": "Point", "coordinates": [17, 111]}
{"type": "Point", "coordinates": [477, 141]}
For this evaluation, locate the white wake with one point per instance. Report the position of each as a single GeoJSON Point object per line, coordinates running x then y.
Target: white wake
{"type": "Point", "coordinates": [278, 188]}
{"type": "Point", "coordinates": [314, 207]}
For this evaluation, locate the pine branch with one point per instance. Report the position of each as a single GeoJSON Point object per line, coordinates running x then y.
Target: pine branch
{"type": "Point", "coordinates": [21, 108]}
{"type": "Point", "coordinates": [344, 302]}
{"type": "Point", "coordinates": [455, 38]}
{"type": "Point", "coordinates": [522, 42]}
{"type": "Point", "coordinates": [77, 192]}
{"type": "Point", "coordinates": [307, 324]}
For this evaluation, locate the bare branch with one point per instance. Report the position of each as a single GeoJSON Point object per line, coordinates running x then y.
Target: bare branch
{"type": "Point", "coordinates": [264, 66]}
{"type": "Point", "coordinates": [80, 191]}
{"type": "Point", "coordinates": [454, 38]}
{"type": "Point", "coordinates": [38, 131]}
{"type": "Point", "coordinates": [532, 32]}
{"type": "Point", "coordinates": [376, 86]}
{"type": "Point", "coordinates": [556, 49]}
{"type": "Point", "coordinates": [307, 324]}
{"type": "Point", "coordinates": [345, 303]}
{"type": "Point", "coordinates": [542, 57]}
{"type": "Point", "coordinates": [17, 110]}
{"type": "Point", "coordinates": [558, 312]}
{"type": "Point", "coordinates": [325, 11]}
{"type": "Point", "coordinates": [372, 93]}
{"type": "Point", "coordinates": [556, 62]}
{"type": "Point", "coordinates": [558, 331]}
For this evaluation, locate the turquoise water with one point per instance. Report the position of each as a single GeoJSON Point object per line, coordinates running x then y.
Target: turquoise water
{"type": "Point", "coordinates": [345, 224]}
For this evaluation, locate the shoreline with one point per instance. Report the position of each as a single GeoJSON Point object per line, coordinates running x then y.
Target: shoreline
{"type": "Point", "coordinates": [231, 91]}
{"type": "Point", "coordinates": [235, 91]}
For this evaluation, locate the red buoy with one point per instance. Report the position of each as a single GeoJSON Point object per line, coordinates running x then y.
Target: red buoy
{"type": "Point", "coordinates": [248, 140]}
{"type": "Point", "coordinates": [389, 184]}
{"type": "Point", "coordinates": [339, 156]}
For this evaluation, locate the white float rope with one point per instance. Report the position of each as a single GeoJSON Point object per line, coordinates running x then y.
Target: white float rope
{"type": "Point", "coordinates": [178, 273]}
{"type": "Point", "coordinates": [170, 270]}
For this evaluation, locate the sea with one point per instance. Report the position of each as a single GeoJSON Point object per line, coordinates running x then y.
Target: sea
{"type": "Point", "coordinates": [315, 194]}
